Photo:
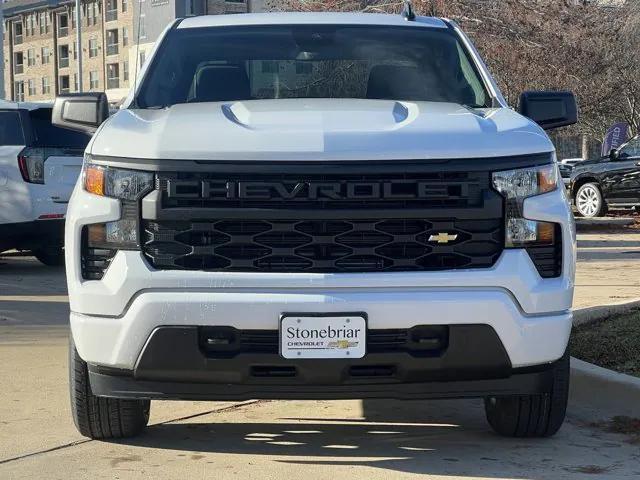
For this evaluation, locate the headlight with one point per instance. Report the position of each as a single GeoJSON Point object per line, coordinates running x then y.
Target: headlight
{"type": "Point", "coordinates": [516, 186]}
{"type": "Point", "coordinates": [526, 182]}
{"type": "Point", "coordinates": [116, 182]}
{"type": "Point", "coordinates": [129, 186]}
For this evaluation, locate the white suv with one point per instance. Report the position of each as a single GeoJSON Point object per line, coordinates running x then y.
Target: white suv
{"type": "Point", "coordinates": [319, 206]}
{"type": "Point", "coordinates": [39, 166]}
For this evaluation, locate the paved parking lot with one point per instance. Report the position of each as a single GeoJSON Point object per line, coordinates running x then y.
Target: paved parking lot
{"type": "Point", "coordinates": [373, 439]}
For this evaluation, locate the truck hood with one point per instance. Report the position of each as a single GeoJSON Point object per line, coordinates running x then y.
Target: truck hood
{"type": "Point", "coordinates": [318, 129]}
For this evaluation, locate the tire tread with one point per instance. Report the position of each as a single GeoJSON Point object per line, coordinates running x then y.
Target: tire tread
{"type": "Point", "coordinates": [101, 417]}
{"type": "Point", "coordinates": [538, 415]}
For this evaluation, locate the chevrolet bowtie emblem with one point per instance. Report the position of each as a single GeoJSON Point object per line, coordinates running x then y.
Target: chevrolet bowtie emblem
{"type": "Point", "coordinates": [443, 237]}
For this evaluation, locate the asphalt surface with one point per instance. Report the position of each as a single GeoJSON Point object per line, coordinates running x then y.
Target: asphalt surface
{"type": "Point", "coordinates": [281, 440]}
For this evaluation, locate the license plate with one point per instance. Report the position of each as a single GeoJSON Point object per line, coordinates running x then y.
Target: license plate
{"type": "Point", "coordinates": [323, 336]}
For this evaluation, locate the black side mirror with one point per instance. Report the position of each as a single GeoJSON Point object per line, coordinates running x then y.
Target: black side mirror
{"type": "Point", "coordinates": [83, 112]}
{"type": "Point", "coordinates": [614, 154]}
{"type": "Point", "coordinates": [549, 109]}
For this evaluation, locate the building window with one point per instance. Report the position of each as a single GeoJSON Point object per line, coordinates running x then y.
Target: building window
{"type": "Point", "coordinates": [125, 36]}
{"type": "Point", "coordinates": [92, 14]}
{"type": "Point", "coordinates": [269, 66]}
{"type": "Point", "coordinates": [63, 25]}
{"type": "Point", "coordinates": [44, 23]}
{"type": "Point", "coordinates": [18, 62]}
{"type": "Point", "coordinates": [125, 71]}
{"type": "Point", "coordinates": [188, 8]}
{"type": "Point", "coordinates": [142, 33]}
{"type": "Point", "coordinates": [112, 42]}
{"type": "Point", "coordinates": [18, 91]}
{"type": "Point", "coordinates": [143, 57]}
{"type": "Point", "coordinates": [46, 86]}
{"type": "Point", "coordinates": [45, 53]}
{"type": "Point", "coordinates": [111, 10]}
{"type": "Point", "coordinates": [64, 83]}
{"type": "Point", "coordinates": [113, 75]}
{"type": "Point", "coordinates": [17, 33]}
{"type": "Point", "coordinates": [31, 83]}
{"type": "Point", "coordinates": [31, 57]}
{"type": "Point", "coordinates": [31, 25]}
{"type": "Point", "coordinates": [75, 82]}
{"type": "Point", "coordinates": [93, 80]}
{"type": "Point", "coordinates": [93, 47]}
{"type": "Point", "coordinates": [125, 5]}
{"type": "Point", "coordinates": [63, 56]}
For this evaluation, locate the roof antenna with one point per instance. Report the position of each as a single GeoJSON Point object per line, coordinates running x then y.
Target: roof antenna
{"type": "Point", "coordinates": [407, 11]}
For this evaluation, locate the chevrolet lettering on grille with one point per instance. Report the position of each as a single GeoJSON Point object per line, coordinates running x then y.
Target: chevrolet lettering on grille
{"type": "Point", "coordinates": [303, 190]}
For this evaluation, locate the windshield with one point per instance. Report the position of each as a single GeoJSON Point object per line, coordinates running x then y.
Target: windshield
{"type": "Point", "coordinates": [311, 61]}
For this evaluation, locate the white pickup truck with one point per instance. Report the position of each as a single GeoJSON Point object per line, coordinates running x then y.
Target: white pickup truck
{"type": "Point", "coordinates": [39, 166]}
{"type": "Point", "coordinates": [319, 205]}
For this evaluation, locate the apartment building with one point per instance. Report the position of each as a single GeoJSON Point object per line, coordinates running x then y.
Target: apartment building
{"type": "Point", "coordinates": [41, 55]}
{"type": "Point", "coordinates": [39, 42]}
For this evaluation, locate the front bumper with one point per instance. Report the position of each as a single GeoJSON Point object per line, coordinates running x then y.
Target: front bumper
{"type": "Point", "coordinates": [112, 319]}
{"type": "Point", "coordinates": [119, 341]}
{"type": "Point", "coordinates": [172, 365]}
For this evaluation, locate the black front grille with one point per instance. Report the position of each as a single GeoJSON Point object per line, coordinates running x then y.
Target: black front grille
{"type": "Point", "coordinates": [323, 245]}
{"type": "Point", "coordinates": [337, 217]}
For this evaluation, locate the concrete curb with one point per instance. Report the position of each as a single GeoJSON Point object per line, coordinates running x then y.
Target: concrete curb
{"type": "Point", "coordinates": [589, 224]}
{"type": "Point", "coordinates": [584, 316]}
{"type": "Point", "coordinates": [604, 390]}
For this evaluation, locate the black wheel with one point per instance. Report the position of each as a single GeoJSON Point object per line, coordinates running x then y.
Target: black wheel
{"type": "Point", "coordinates": [100, 417]}
{"type": "Point", "coordinates": [51, 256]}
{"type": "Point", "coordinates": [589, 202]}
{"type": "Point", "coordinates": [532, 415]}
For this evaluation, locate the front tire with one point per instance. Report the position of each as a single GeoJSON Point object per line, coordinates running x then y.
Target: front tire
{"type": "Point", "coordinates": [100, 417]}
{"type": "Point", "coordinates": [589, 202]}
{"type": "Point", "coordinates": [532, 415]}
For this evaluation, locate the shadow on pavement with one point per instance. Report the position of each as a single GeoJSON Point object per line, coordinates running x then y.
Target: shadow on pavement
{"type": "Point", "coordinates": [408, 437]}
{"type": "Point", "coordinates": [32, 293]}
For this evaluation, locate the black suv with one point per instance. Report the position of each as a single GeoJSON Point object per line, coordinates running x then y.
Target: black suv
{"type": "Point", "coordinates": [612, 181]}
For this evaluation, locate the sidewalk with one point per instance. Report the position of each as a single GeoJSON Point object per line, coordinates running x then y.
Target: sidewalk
{"type": "Point", "coordinates": [608, 268]}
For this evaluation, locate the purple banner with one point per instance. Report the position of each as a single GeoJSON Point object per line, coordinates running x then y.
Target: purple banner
{"type": "Point", "coordinates": [616, 136]}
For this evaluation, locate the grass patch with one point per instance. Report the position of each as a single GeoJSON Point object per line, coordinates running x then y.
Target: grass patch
{"type": "Point", "coordinates": [613, 343]}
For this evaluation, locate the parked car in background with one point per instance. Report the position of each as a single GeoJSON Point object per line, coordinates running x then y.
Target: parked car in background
{"type": "Point", "coordinates": [612, 181]}
{"type": "Point", "coordinates": [39, 166]}
{"type": "Point", "coordinates": [572, 162]}
{"type": "Point", "coordinates": [565, 172]}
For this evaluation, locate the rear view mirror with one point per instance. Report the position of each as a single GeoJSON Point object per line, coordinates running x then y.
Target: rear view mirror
{"type": "Point", "coordinates": [83, 112]}
{"type": "Point", "coordinates": [614, 154]}
{"type": "Point", "coordinates": [549, 109]}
